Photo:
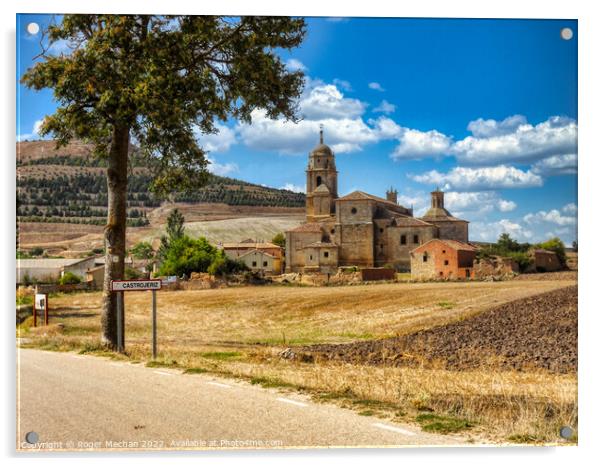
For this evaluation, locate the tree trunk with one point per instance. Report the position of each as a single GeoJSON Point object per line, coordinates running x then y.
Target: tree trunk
{"type": "Point", "coordinates": [114, 235]}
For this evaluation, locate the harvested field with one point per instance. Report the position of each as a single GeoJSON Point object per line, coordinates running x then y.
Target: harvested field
{"type": "Point", "coordinates": [535, 332]}
{"type": "Point", "coordinates": [241, 332]}
{"type": "Point", "coordinates": [547, 276]}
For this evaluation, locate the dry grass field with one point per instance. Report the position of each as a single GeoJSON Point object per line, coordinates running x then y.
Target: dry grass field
{"type": "Point", "coordinates": [241, 331]}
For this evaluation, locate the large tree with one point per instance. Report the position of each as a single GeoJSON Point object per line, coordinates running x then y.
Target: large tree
{"type": "Point", "coordinates": [150, 80]}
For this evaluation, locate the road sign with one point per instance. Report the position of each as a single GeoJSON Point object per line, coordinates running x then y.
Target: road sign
{"type": "Point", "coordinates": [40, 303]}
{"type": "Point", "coordinates": [135, 285]}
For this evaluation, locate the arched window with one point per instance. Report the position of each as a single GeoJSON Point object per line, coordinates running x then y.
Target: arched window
{"type": "Point", "coordinates": [318, 181]}
{"type": "Point", "coordinates": [425, 257]}
{"type": "Point", "coordinates": [353, 210]}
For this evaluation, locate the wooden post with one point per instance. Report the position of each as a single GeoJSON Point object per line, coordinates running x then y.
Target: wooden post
{"type": "Point", "coordinates": [120, 322]}
{"type": "Point", "coordinates": [154, 324]}
{"type": "Point", "coordinates": [46, 310]}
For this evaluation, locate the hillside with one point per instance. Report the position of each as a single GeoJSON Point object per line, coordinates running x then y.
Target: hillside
{"type": "Point", "coordinates": [67, 185]}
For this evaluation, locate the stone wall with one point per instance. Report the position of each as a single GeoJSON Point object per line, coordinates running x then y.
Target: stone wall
{"type": "Point", "coordinates": [398, 254]}
{"type": "Point", "coordinates": [457, 230]}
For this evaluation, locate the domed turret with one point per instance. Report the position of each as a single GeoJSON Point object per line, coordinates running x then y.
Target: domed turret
{"type": "Point", "coordinates": [321, 180]}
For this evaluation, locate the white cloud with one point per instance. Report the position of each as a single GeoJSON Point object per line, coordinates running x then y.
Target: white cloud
{"type": "Point", "coordinates": [415, 144]}
{"type": "Point", "coordinates": [491, 231]}
{"type": "Point", "coordinates": [385, 107]}
{"type": "Point", "coordinates": [376, 87]}
{"type": "Point", "coordinates": [419, 201]}
{"type": "Point", "coordinates": [292, 64]}
{"type": "Point", "coordinates": [557, 165]}
{"type": "Point", "coordinates": [480, 179]}
{"type": "Point", "coordinates": [515, 140]}
{"type": "Point", "coordinates": [477, 201]}
{"type": "Point", "coordinates": [553, 216]}
{"type": "Point", "coordinates": [337, 19]}
{"type": "Point", "coordinates": [293, 187]}
{"type": "Point", "coordinates": [506, 206]}
{"type": "Point", "coordinates": [35, 132]}
{"type": "Point", "coordinates": [570, 208]}
{"type": "Point", "coordinates": [221, 169]}
{"type": "Point", "coordinates": [344, 135]}
{"type": "Point", "coordinates": [326, 101]}
{"type": "Point", "coordinates": [217, 142]}
{"type": "Point", "coordinates": [488, 128]}
{"type": "Point", "coordinates": [345, 85]}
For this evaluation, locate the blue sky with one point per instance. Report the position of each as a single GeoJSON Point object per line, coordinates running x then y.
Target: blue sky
{"type": "Point", "coordinates": [485, 109]}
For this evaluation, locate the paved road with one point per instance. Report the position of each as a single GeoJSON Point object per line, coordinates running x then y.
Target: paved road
{"type": "Point", "coordinates": [77, 402]}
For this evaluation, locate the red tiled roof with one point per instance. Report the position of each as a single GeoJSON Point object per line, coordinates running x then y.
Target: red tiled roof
{"type": "Point", "coordinates": [308, 228]}
{"type": "Point", "coordinates": [452, 243]}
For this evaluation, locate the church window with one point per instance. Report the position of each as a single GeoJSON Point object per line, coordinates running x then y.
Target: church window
{"type": "Point", "coordinates": [404, 239]}
{"type": "Point", "coordinates": [416, 239]}
{"type": "Point", "coordinates": [318, 181]}
{"type": "Point", "coordinates": [254, 264]}
{"type": "Point", "coordinates": [353, 210]}
{"type": "Point", "coordinates": [425, 257]}
{"type": "Point", "coordinates": [446, 262]}
{"type": "Point", "coordinates": [325, 253]}
{"type": "Point", "coordinates": [265, 263]}
{"type": "Point", "coordinates": [381, 230]}
{"type": "Point", "coordinates": [332, 231]}
{"type": "Point", "coordinates": [311, 258]}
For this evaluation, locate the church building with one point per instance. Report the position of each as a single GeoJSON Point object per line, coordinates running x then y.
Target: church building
{"type": "Point", "coordinates": [360, 229]}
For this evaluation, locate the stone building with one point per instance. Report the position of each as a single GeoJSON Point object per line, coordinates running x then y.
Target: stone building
{"type": "Point", "coordinates": [360, 229]}
{"type": "Point", "coordinates": [443, 259]}
{"type": "Point", "coordinates": [256, 254]}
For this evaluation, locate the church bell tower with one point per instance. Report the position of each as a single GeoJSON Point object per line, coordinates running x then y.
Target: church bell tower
{"type": "Point", "coordinates": [321, 182]}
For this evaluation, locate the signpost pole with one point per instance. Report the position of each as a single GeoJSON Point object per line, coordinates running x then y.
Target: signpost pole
{"type": "Point", "coordinates": [154, 324]}
{"type": "Point", "coordinates": [35, 314]}
{"type": "Point", "coordinates": [46, 311]}
{"type": "Point", "coordinates": [119, 322]}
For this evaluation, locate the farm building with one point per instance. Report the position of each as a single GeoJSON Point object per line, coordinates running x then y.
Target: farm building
{"type": "Point", "coordinates": [95, 277]}
{"type": "Point", "coordinates": [50, 270]}
{"type": "Point", "coordinates": [544, 260]}
{"type": "Point", "coordinates": [260, 261]}
{"type": "Point", "coordinates": [443, 259]}
{"type": "Point", "coordinates": [236, 251]}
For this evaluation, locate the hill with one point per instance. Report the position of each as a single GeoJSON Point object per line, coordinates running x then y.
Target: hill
{"type": "Point", "coordinates": [67, 185]}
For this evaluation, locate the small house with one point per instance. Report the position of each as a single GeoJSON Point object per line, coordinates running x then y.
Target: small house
{"type": "Point", "coordinates": [443, 259]}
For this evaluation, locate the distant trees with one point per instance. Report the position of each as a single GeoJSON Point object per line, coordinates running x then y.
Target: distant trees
{"type": "Point", "coordinates": [69, 278]}
{"type": "Point", "coordinates": [142, 250]}
{"type": "Point", "coordinates": [506, 246]}
{"type": "Point", "coordinates": [185, 255]}
{"type": "Point", "coordinates": [279, 240]}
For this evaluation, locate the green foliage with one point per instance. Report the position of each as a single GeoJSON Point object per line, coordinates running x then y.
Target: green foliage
{"type": "Point", "coordinates": [506, 246]}
{"type": "Point", "coordinates": [279, 240]}
{"type": "Point", "coordinates": [132, 274]}
{"type": "Point", "coordinates": [555, 245]}
{"type": "Point", "coordinates": [175, 225]}
{"type": "Point", "coordinates": [185, 255]}
{"type": "Point", "coordinates": [223, 266]}
{"type": "Point", "coordinates": [36, 252]}
{"type": "Point", "coordinates": [442, 424]}
{"type": "Point", "coordinates": [523, 259]}
{"type": "Point", "coordinates": [142, 250]}
{"type": "Point", "coordinates": [159, 77]}
{"type": "Point", "coordinates": [69, 278]}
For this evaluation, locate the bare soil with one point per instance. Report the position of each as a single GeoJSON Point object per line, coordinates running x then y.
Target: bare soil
{"type": "Point", "coordinates": [530, 333]}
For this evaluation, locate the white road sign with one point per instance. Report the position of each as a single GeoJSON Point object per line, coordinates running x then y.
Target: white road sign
{"type": "Point", "coordinates": [40, 301]}
{"type": "Point", "coordinates": [135, 285]}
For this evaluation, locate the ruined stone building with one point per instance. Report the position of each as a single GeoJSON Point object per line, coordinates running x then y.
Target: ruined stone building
{"type": "Point", "coordinates": [360, 229]}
